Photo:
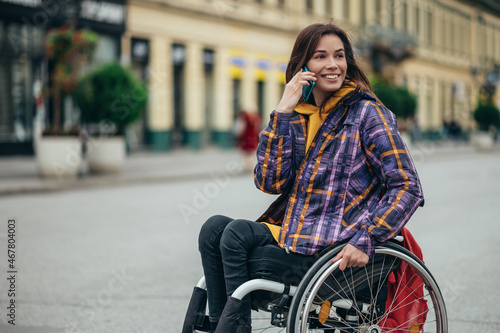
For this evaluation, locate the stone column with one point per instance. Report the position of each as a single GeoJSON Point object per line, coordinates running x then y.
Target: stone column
{"type": "Point", "coordinates": [385, 13]}
{"type": "Point", "coordinates": [319, 7]}
{"type": "Point", "coordinates": [272, 92]}
{"type": "Point", "coordinates": [126, 51]}
{"type": "Point", "coordinates": [399, 15]}
{"type": "Point", "coordinates": [371, 14]}
{"type": "Point", "coordinates": [355, 11]}
{"type": "Point", "coordinates": [249, 84]}
{"type": "Point", "coordinates": [160, 110]}
{"type": "Point", "coordinates": [436, 112]}
{"type": "Point", "coordinates": [411, 10]}
{"type": "Point", "coordinates": [438, 28]}
{"type": "Point", "coordinates": [338, 13]}
{"type": "Point", "coordinates": [422, 26]}
{"type": "Point", "coordinates": [447, 101]}
{"type": "Point", "coordinates": [497, 45]}
{"type": "Point", "coordinates": [420, 89]}
{"type": "Point", "coordinates": [223, 115]}
{"type": "Point", "coordinates": [298, 13]}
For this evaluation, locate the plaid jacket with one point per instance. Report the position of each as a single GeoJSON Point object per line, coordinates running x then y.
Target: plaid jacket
{"type": "Point", "coordinates": [357, 181]}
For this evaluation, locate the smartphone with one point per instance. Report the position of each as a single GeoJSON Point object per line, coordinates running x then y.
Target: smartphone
{"type": "Point", "coordinates": [307, 90]}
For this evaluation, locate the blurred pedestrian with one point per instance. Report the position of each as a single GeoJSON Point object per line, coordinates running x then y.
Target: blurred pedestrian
{"type": "Point", "coordinates": [248, 126]}
{"type": "Point", "coordinates": [416, 131]}
{"type": "Point", "coordinates": [455, 130]}
{"type": "Point", "coordinates": [497, 130]}
{"type": "Point", "coordinates": [39, 118]}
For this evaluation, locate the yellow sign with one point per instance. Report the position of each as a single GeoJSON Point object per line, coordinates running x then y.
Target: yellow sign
{"type": "Point", "coordinates": [262, 66]}
{"type": "Point", "coordinates": [238, 62]}
{"type": "Point", "coordinates": [281, 64]}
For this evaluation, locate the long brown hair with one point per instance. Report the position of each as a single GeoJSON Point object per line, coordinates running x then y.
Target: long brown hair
{"type": "Point", "coordinates": [306, 44]}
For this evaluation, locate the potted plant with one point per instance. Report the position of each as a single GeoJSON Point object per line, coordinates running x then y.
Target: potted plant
{"type": "Point", "coordinates": [487, 117]}
{"type": "Point", "coordinates": [110, 98]}
{"type": "Point", "coordinates": [58, 152]}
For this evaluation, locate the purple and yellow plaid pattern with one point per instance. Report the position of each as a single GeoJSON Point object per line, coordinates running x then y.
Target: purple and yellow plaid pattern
{"type": "Point", "coordinates": [357, 181]}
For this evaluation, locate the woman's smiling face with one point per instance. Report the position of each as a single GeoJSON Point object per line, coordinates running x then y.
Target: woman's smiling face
{"type": "Point", "coordinates": [330, 66]}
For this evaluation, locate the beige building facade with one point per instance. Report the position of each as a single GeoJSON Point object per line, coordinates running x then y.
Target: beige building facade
{"type": "Point", "coordinates": [205, 60]}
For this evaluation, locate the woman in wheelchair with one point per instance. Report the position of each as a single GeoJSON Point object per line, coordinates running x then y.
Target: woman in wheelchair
{"type": "Point", "coordinates": [347, 184]}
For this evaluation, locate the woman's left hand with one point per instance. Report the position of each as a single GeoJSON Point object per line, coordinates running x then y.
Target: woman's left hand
{"type": "Point", "coordinates": [351, 257]}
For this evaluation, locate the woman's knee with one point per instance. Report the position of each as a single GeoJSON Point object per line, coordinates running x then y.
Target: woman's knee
{"type": "Point", "coordinates": [234, 235]}
{"type": "Point", "coordinates": [210, 229]}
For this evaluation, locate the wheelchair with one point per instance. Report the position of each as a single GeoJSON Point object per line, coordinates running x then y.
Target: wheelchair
{"type": "Point", "coordinates": [394, 292]}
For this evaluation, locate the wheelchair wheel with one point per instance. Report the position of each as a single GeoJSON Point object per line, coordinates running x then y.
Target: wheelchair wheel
{"type": "Point", "coordinates": [358, 300]}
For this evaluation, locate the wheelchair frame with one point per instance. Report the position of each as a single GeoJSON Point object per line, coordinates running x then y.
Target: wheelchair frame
{"type": "Point", "coordinates": [306, 294]}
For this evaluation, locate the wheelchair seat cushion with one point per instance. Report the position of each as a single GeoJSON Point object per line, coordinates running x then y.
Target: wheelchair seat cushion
{"type": "Point", "coordinates": [271, 262]}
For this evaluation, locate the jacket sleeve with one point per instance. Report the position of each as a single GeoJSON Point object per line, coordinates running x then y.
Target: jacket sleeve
{"type": "Point", "coordinates": [391, 163]}
{"type": "Point", "coordinates": [274, 173]}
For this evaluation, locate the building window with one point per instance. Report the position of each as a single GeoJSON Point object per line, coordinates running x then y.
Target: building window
{"type": "Point", "coordinates": [486, 46]}
{"type": "Point", "coordinates": [21, 48]}
{"type": "Point", "coordinates": [463, 38]}
{"type": "Point", "coordinates": [497, 44]}
{"type": "Point", "coordinates": [430, 85]}
{"type": "Point", "coordinates": [430, 29]}
{"type": "Point", "coordinates": [452, 36]}
{"type": "Point", "coordinates": [209, 78]}
{"type": "Point", "coordinates": [178, 60]}
{"type": "Point", "coordinates": [261, 85]}
{"type": "Point", "coordinates": [443, 102]}
{"type": "Point", "coordinates": [444, 28]}
{"type": "Point", "coordinates": [493, 42]}
{"type": "Point", "coordinates": [392, 13]}
{"type": "Point", "coordinates": [405, 17]}
{"type": "Point", "coordinates": [328, 7]}
{"type": "Point", "coordinates": [281, 3]}
{"type": "Point", "coordinates": [378, 11]}
{"type": "Point", "coordinates": [347, 11]}
{"type": "Point", "coordinates": [468, 90]}
{"type": "Point", "coordinates": [491, 34]}
{"type": "Point", "coordinates": [364, 18]}
{"type": "Point", "coordinates": [139, 49]}
{"type": "Point", "coordinates": [417, 20]}
{"type": "Point", "coordinates": [452, 103]}
{"type": "Point", "coordinates": [236, 97]}
{"type": "Point", "coordinates": [6, 115]}
{"type": "Point", "coordinates": [107, 50]}
{"type": "Point", "coordinates": [309, 6]}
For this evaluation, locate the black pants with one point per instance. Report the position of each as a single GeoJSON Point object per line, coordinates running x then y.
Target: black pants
{"type": "Point", "coordinates": [224, 245]}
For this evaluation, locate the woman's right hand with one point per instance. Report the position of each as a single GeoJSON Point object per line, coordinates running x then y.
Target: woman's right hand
{"type": "Point", "coordinates": [293, 91]}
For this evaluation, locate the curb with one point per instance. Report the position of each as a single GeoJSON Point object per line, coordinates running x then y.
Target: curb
{"type": "Point", "coordinates": [20, 176]}
{"type": "Point", "coordinates": [86, 183]}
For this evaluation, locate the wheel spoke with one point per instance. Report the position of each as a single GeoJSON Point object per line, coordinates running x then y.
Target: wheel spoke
{"type": "Point", "coordinates": [401, 326]}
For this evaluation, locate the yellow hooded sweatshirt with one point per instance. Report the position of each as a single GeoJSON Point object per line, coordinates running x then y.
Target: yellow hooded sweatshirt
{"type": "Point", "coordinates": [315, 117]}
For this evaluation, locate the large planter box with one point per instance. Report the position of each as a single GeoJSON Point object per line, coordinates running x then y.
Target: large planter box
{"type": "Point", "coordinates": [59, 156]}
{"type": "Point", "coordinates": [106, 154]}
{"type": "Point", "coordinates": [482, 141]}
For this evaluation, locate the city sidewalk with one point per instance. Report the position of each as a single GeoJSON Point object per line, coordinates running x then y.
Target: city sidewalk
{"type": "Point", "coordinates": [19, 175]}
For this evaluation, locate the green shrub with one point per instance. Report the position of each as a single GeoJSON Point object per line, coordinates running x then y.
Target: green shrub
{"type": "Point", "coordinates": [398, 99]}
{"type": "Point", "coordinates": [486, 115]}
{"type": "Point", "coordinates": [111, 94]}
